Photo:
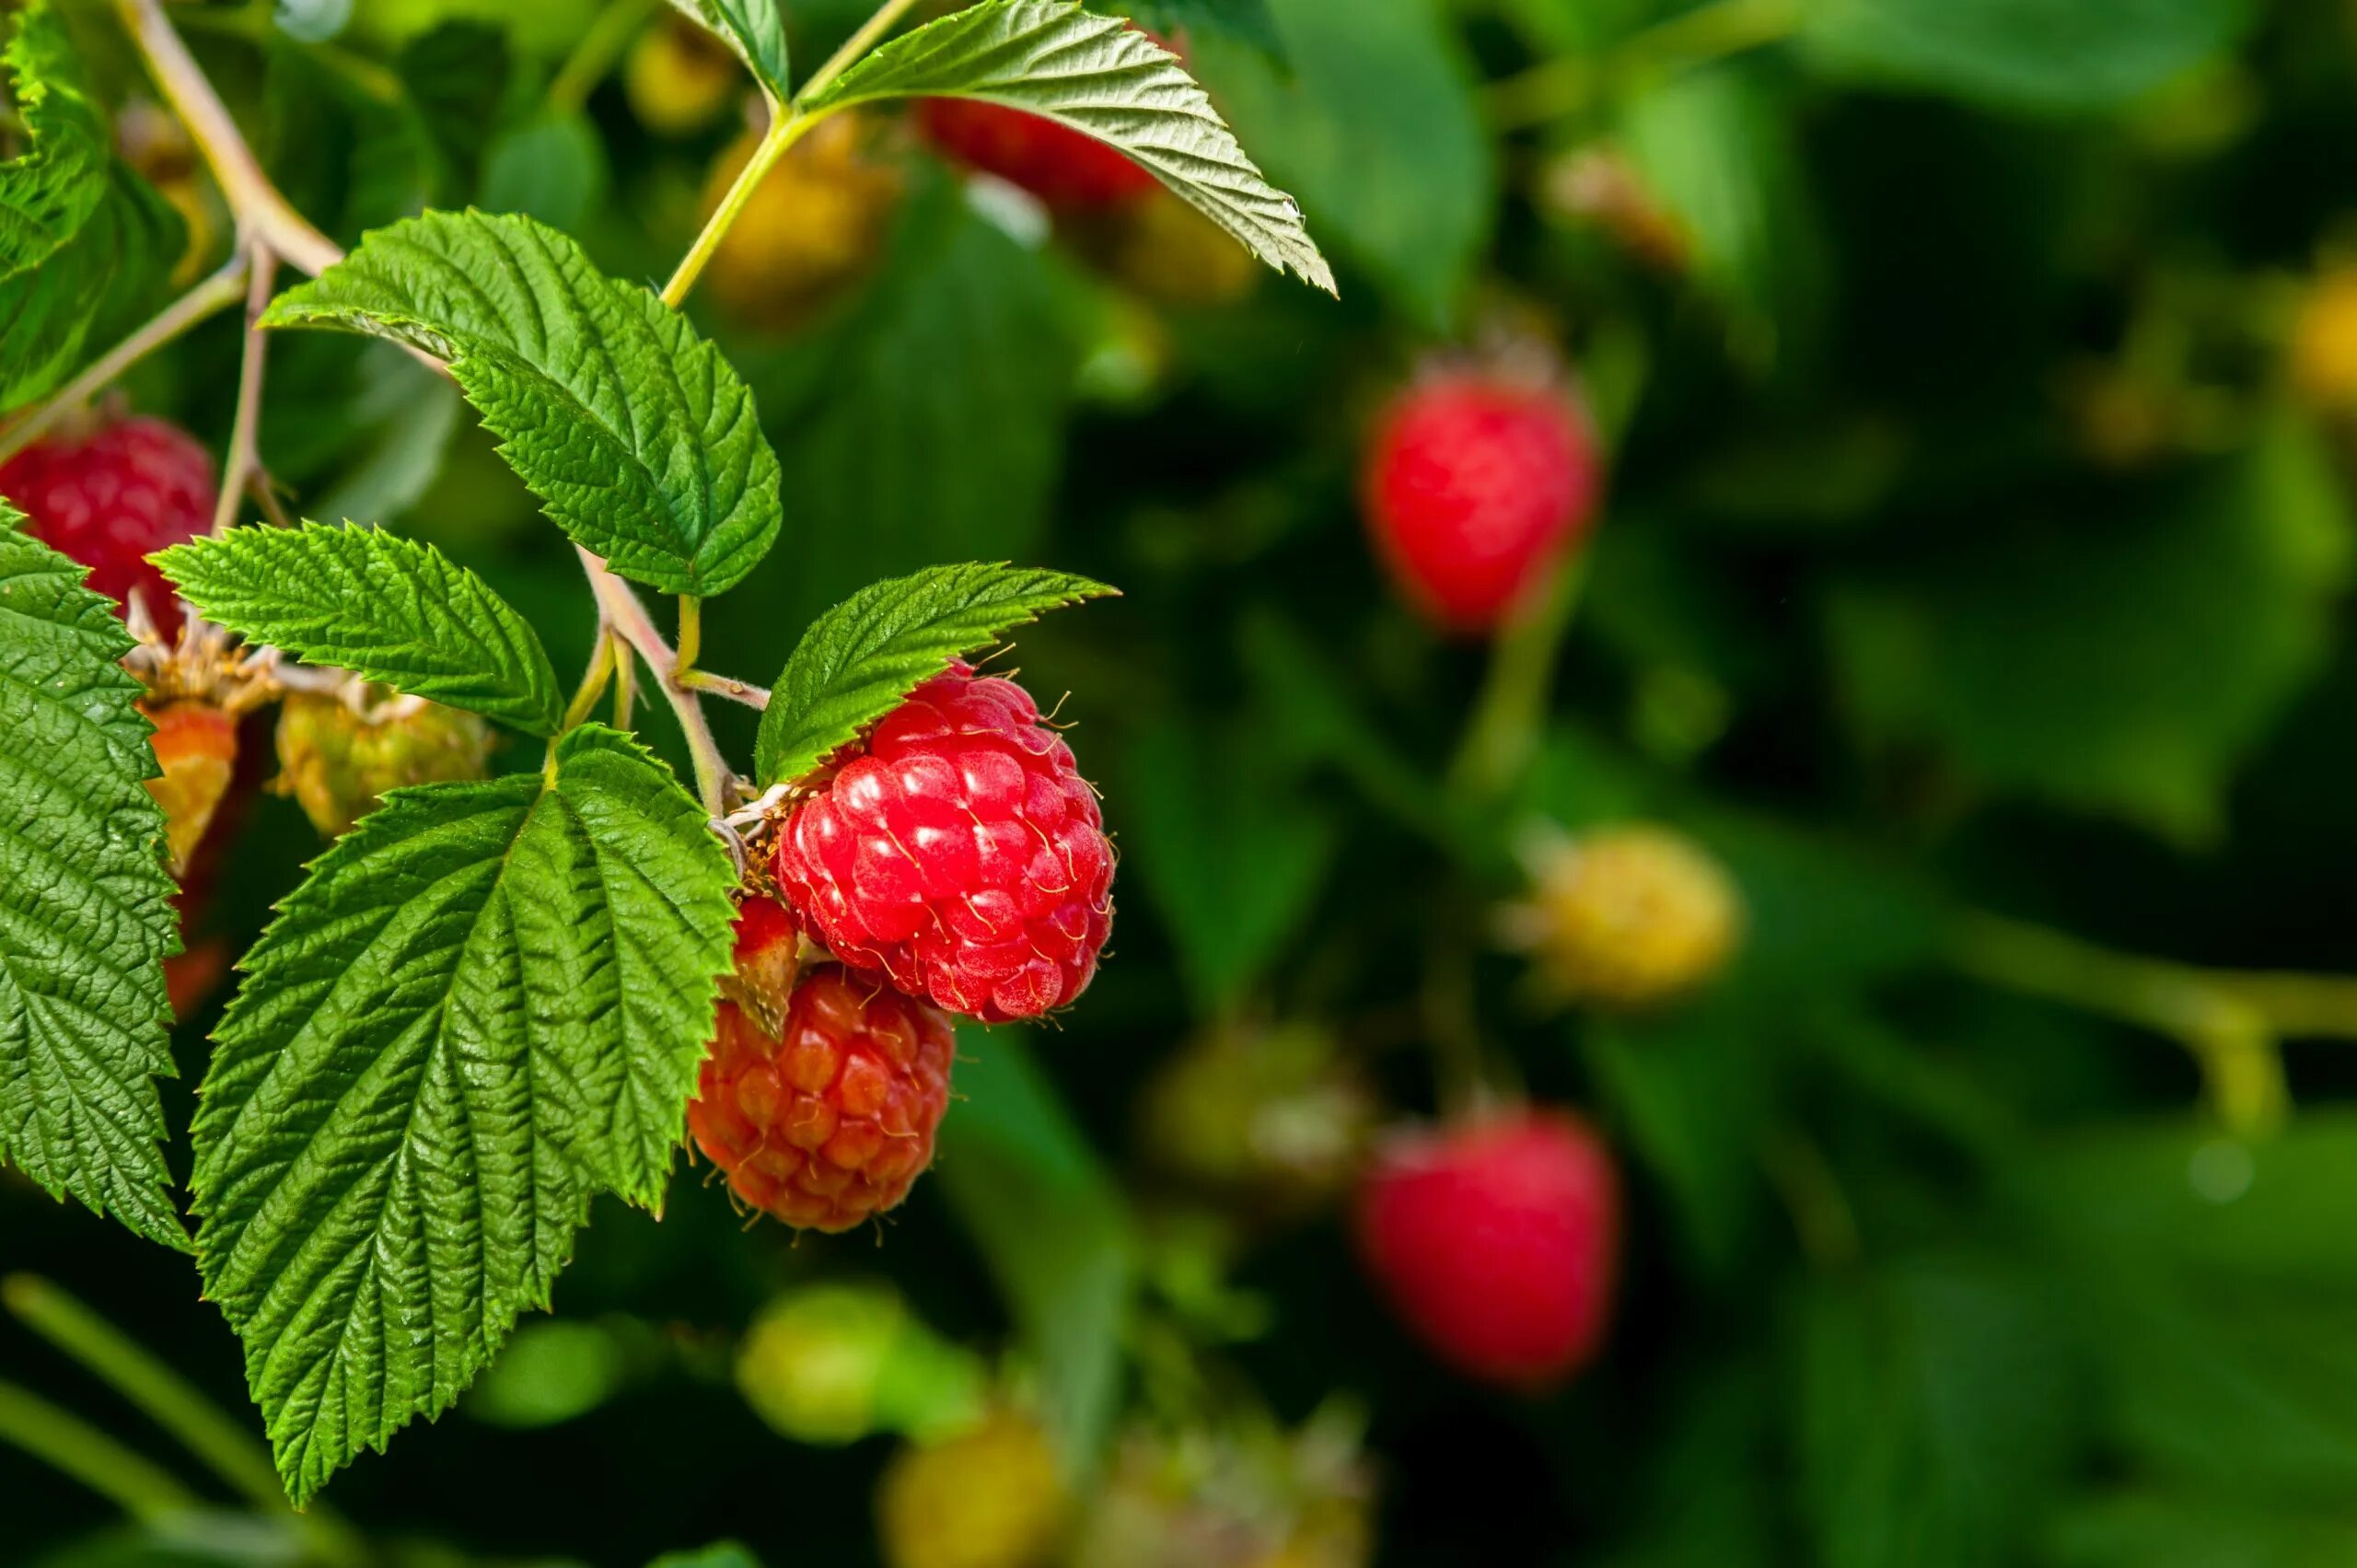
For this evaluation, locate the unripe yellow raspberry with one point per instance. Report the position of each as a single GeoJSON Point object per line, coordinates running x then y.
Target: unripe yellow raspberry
{"type": "Point", "coordinates": [1626, 916]}
{"type": "Point", "coordinates": [809, 231]}
{"type": "Point", "coordinates": [679, 78]}
{"type": "Point", "coordinates": [2323, 343]}
{"type": "Point", "coordinates": [991, 1497]}
{"type": "Point", "coordinates": [336, 757]}
{"type": "Point", "coordinates": [1167, 251]}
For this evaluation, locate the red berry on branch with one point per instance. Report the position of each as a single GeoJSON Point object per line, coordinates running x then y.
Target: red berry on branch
{"type": "Point", "coordinates": [959, 853]}
{"type": "Point", "coordinates": [1474, 486]}
{"type": "Point", "coordinates": [1063, 167]}
{"type": "Point", "coordinates": [112, 498]}
{"type": "Point", "coordinates": [831, 1120]}
{"type": "Point", "coordinates": [1497, 1242]}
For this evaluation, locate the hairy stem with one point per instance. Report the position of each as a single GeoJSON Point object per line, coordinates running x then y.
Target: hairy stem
{"type": "Point", "coordinates": [214, 295]}
{"type": "Point", "coordinates": [173, 1404]}
{"type": "Point", "coordinates": [736, 691]}
{"type": "Point", "coordinates": [628, 619]}
{"type": "Point", "coordinates": [244, 461]}
{"type": "Point", "coordinates": [68, 1443]}
{"type": "Point", "coordinates": [690, 635]}
{"type": "Point", "coordinates": [240, 174]}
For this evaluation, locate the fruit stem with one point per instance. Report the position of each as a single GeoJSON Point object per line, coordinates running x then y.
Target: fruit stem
{"type": "Point", "coordinates": [745, 691]}
{"type": "Point", "coordinates": [215, 294]}
{"type": "Point", "coordinates": [626, 618]}
{"type": "Point", "coordinates": [784, 132]}
{"type": "Point", "coordinates": [869, 34]}
{"type": "Point", "coordinates": [593, 684]}
{"type": "Point", "coordinates": [593, 58]}
{"type": "Point", "coordinates": [67, 1443]}
{"type": "Point", "coordinates": [2230, 1020]}
{"type": "Point", "coordinates": [172, 1403]}
{"type": "Point", "coordinates": [248, 190]}
{"type": "Point", "coordinates": [243, 464]}
{"type": "Point", "coordinates": [690, 635]}
{"type": "Point", "coordinates": [1504, 731]}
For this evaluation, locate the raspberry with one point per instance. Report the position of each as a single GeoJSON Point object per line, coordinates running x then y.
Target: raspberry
{"type": "Point", "coordinates": [111, 499]}
{"type": "Point", "coordinates": [337, 759]}
{"type": "Point", "coordinates": [959, 853]}
{"type": "Point", "coordinates": [197, 746]}
{"type": "Point", "coordinates": [1475, 484]}
{"type": "Point", "coordinates": [810, 230]}
{"type": "Point", "coordinates": [1627, 916]}
{"type": "Point", "coordinates": [1496, 1240]}
{"type": "Point", "coordinates": [830, 1119]}
{"type": "Point", "coordinates": [991, 1497]}
{"type": "Point", "coordinates": [1064, 167]}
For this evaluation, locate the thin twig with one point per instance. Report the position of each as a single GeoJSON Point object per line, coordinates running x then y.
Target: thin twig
{"type": "Point", "coordinates": [627, 616]}
{"type": "Point", "coordinates": [214, 295]}
{"type": "Point", "coordinates": [745, 691]}
{"type": "Point", "coordinates": [244, 461]}
{"type": "Point", "coordinates": [870, 33]}
{"type": "Point", "coordinates": [243, 183]}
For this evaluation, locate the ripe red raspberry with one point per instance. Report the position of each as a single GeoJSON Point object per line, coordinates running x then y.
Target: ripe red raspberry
{"type": "Point", "coordinates": [1060, 166]}
{"type": "Point", "coordinates": [1474, 484]}
{"type": "Point", "coordinates": [113, 497]}
{"type": "Point", "coordinates": [958, 854]}
{"type": "Point", "coordinates": [830, 1120]}
{"type": "Point", "coordinates": [1496, 1241]}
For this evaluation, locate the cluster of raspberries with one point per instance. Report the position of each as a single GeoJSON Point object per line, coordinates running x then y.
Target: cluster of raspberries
{"type": "Point", "coordinates": [953, 861]}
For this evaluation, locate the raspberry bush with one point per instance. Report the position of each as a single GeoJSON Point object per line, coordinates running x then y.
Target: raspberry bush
{"type": "Point", "coordinates": [1719, 756]}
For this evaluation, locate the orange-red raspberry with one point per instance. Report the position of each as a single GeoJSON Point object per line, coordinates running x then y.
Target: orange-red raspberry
{"type": "Point", "coordinates": [1475, 484]}
{"type": "Point", "coordinates": [959, 853]}
{"type": "Point", "coordinates": [830, 1121]}
{"type": "Point", "coordinates": [113, 497]}
{"type": "Point", "coordinates": [1060, 166]}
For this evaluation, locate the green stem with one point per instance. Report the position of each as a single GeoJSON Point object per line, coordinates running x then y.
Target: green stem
{"type": "Point", "coordinates": [214, 295]}
{"type": "Point", "coordinates": [593, 684]}
{"type": "Point", "coordinates": [1573, 83]}
{"type": "Point", "coordinates": [1503, 734]}
{"type": "Point", "coordinates": [244, 460]}
{"type": "Point", "coordinates": [597, 53]}
{"type": "Point", "coordinates": [690, 636]}
{"type": "Point", "coordinates": [172, 1403]}
{"type": "Point", "coordinates": [736, 691]}
{"type": "Point", "coordinates": [871, 33]}
{"type": "Point", "coordinates": [628, 620]}
{"type": "Point", "coordinates": [68, 1443]}
{"type": "Point", "coordinates": [784, 132]}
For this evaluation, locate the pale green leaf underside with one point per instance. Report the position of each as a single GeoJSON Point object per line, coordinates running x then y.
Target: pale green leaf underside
{"type": "Point", "coordinates": [47, 191]}
{"type": "Point", "coordinates": [86, 913]}
{"type": "Point", "coordinates": [755, 30]}
{"type": "Point", "coordinates": [857, 661]}
{"type": "Point", "coordinates": [393, 609]}
{"type": "Point", "coordinates": [641, 441]}
{"type": "Point", "coordinates": [488, 1001]}
{"type": "Point", "coordinates": [1101, 78]}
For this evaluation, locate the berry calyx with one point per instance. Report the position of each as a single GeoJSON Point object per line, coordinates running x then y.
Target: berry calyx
{"type": "Point", "coordinates": [196, 746]}
{"type": "Point", "coordinates": [1497, 1242]}
{"type": "Point", "coordinates": [111, 498]}
{"type": "Point", "coordinates": [1065, 168]}
{"type": "Point", "coordinates": [959, 853]}
{"type": "Point", "coordinates": [1626, 916]}
{"type": "Point", "coordinates": [337, 758]}
{"type": "Point", "coordinates": [1475, 484]}
{"type": "Point", "coordinates": [828, 1121]}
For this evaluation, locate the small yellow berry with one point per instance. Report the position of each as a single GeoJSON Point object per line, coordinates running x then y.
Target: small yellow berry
{"type": "Point", "coordinates": [991, 1497]}
{"type": "Point", "coordinates": [337, 758]}
{"type": "Point", "coordinates": [2324, 343]}
{"type": "Point", "coordinates": [1627, 916]}
{"type": "Point", "coordinates": [679, 78]}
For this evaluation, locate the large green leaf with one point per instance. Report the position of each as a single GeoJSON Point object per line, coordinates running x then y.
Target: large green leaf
{"type": "Point", "coordinates": [1372, 122]}
{"type": "Point", "coordinates": [755, 30]}
{"type": "Point", "coordinates": [86, 913]}
{"type": "Point", "coordinates": [2048, 55]}
{"type": "Point", "coordinates": [49, 190]}
{"type": "Point", "coordinates": [390, 608]}
{"type": "Point", "coordinates": [98, 285]}
{"type": "Point", "coordinates": [487, 1000]}
{"type": "Point", "coordinates": [1103, 79]}
{"type": "Point", "coordinates": [635, 433]}
{"type": "Point", "coordinates": [2127, 666]}
{"type": "Point", "coordinates": [859, 659]}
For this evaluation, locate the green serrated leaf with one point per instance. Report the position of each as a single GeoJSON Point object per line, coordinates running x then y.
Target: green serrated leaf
{"type": "Point", "coordinates": [754, 29]}
{"type": "Point", "coordinates": [392, 609]}
{"type": "Point", "coordinates": [48, 190]}
{"type": "Point", "coordinates": [857, 661]}
{"type": "Point", "coordinates": [639, 439]}
{"type": "Point", "coordinates": [1101, 78]}
{"type": "Point", "coordinates": [488, 999]}
{"type": "Point", "coordinates": [94, 289]}
{"type": "Point", "coordinates": [85, 912]}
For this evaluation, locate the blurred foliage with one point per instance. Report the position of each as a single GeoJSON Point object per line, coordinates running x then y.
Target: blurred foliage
{"type": "Point", "coordinates": [1978, 541]}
